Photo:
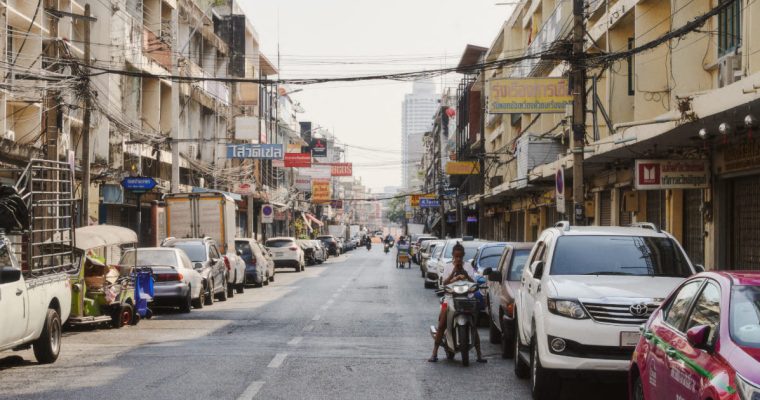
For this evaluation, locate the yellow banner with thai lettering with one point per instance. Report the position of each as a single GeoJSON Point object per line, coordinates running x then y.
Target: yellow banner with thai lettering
{"type": "Point", "coordinates": [462, 168]}
{"type": "Point", "coordinates": [528, 95]}
{"type": "Point", "coordinates": [320, 191]}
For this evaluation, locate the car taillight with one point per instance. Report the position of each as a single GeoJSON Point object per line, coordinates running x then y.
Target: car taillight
{"type": "Point", "coordinates": [180, 277]}
{"type": "Point", "coordinates": [227, 262]}
{"type": "Point", "coordinates": [167, 277]}
{"type": "Point", "coordinates": [293, 248]}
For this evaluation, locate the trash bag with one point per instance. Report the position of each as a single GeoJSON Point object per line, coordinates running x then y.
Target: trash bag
{"type": "Point", "coordinates": [14, 215]}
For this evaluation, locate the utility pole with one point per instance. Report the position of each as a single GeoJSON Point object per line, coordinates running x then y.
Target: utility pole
{"type": "Point", "coordinates": [86, 126]}
{"type": "Point", "coordinates": [175, 102]}
{"type": "Point", "coordinates": [578, 90]}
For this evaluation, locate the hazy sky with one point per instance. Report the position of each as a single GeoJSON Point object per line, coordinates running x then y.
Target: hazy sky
{"type": "Point", "coordinates": [319, 38]}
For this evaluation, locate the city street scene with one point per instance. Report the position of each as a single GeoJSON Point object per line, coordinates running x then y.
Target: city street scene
{"type": "Point", "coordinates": [419, 199]}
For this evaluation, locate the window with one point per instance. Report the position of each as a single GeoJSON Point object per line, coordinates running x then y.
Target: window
{"type": "Point", "coordinates": [675, 312]}
{"type": "Point", "coordinates": [538, 255]}
{"type": "Point", "coordinates": [744, 319]}
{"type": "Point", "coordinates": [706, 310]}
{"type": "Point", "coordinates": [631, 88]}
{"type": "Point", "coordinates": [518, 264]}
{"type": "Point", "coordinates": [729, 27]}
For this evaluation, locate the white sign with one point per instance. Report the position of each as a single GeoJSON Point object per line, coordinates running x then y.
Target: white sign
{"type": "Point", "coordinates": [559, 190]}
{"type": "Point", "coordinates": [247, 128]}
{"type": "Point", "coordinates": [243, 188]}
{"type": "Point", "coordinates": [671, 174]}
{"type": "Point", "coordinates": [267, 214]}
{"type": "Point", "coordinates": [303, 183]}
{"type": "Point", "coordinates": [318, 172]}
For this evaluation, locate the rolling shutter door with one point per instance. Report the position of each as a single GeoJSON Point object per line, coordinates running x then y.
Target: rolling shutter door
{"type": "Point", "coordinates": [656, 208]}
{"type": "Point", "coordinates": [745, 223]}
{"type": "Point", "coordinates": [693, 226]}
{"type": "Point", "coordinates": [605, 208]}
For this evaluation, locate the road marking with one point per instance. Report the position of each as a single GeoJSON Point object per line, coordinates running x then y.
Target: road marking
{"type": "Point", "coordinates": [277, 360]}
{"type": "Point", "coordinates": [295, 340]}
{"type": "Point", "coordinates": [251, 390]}
{"type": "Point", "coordinates": [324, 307]}
{"type": "Point", "coordinates": [308, 328]}
{"type": "Point", "coordinates": [316, 317]}
{"type": "Point", "coordinates": [335, 295]}
{"type": "Point", "coordinates": [329, 302]}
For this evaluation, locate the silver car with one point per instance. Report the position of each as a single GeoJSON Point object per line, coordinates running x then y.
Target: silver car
{"type": "Point", "coordinates": [258, 269]}
{"type": "Point", "coordinates": [208, 262]}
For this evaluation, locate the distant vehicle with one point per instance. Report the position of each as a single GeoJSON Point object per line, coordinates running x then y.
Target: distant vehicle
{"type": "Point", "coordinates": [583, 295]}
{"type": "Point", "coordinates": [426, 250]}
{"type": "Point", "coordinates": [487, 256]}
{"type": "Point", "coordinates": [177, 283]}
{"type": "Point", "coordinates": [320, 253]}
{"type": "Point", "coordinates": [259, 270]}
{"type": "Point", "coordinates": [208, 262]}
{"type": "Point", "coordinates": [431, 266]}
{"type": "Point", "coordinates": [503, 282]}
{"type": "Point", "coordinates": [313, 254]}
{"type": "Point", "coordinates": [471, 247]}
{"type": "Point", "coordinates": [703, 342]}
{"type": "Point", "coordinates": [331, 243]}
{"type": "Point", "coordinates": [417, 243]}
{"type": "Point", "coordinates": [287, 253]}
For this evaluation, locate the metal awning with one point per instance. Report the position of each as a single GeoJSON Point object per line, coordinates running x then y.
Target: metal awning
{"type": "Point", "coordinates": [314, 219]}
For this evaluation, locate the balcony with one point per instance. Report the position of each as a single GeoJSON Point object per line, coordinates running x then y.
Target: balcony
{"type": "Point", "coordinates": [219, 91]}
{"type": "Point", "coordinates": [157, 49]}
{"type": "Point", "coordinates": [556, 26]}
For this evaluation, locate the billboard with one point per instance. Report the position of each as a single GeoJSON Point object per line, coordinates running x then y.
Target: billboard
{"type": "Point", "coordinates": [247, 128]}
{"type": "Point", "coordinates": [255, 151]}
{"type": "Point", "coordinates": [293, 148]}
{"type": "Point", "coordinates": [341, 169]}
{"type": "Point", "coordinates": [320, 191]}
{"type": "Point", "coordinates": [318, 147]}
{"type": "Point", "coordinates": [528, 95]}
{"type": "Point", "coordinates": [303, 183]}
{"type": "Point", "coordinates": [318, 172]}
{"type": "Point", "coordinates": [462, 167]}
{"type": "Point", "coordinates": [297, 160]}
{"type": "Point", "coordinates": [671, 174]}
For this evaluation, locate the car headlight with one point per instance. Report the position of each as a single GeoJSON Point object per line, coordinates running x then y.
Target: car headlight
{"type": "Point", "coordinates": [567, 308]}
{"type": "Point", "coordinates": [747, 390]}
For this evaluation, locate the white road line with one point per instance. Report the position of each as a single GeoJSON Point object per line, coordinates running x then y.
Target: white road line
{"type": "Point", "coordinates": [277, 360]}
{"type": "Point", "coordinates": [295, 340]}
{"type": "Point", "coordinates": [251, 390]}
{"type": "Point", "coordinates": [308, 328]}
{"type": "Point", "coordinates": [316, 317]}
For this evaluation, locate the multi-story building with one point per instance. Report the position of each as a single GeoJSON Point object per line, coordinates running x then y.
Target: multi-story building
{"type": "Point", "coordinates": [416, 116]}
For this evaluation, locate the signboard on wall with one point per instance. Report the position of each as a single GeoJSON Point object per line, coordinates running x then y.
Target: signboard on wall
{"type": "Point", "coordinates": [297, 160]}
{"type": "Point", "coordinates": [247, 128]}
{"type": "Point", "coordinates": [303, 183]}
{"type": "Point", "coordinates": [528, 95]}
{"type": "Point", "coordinates": [671, 174]}
{"type": "Point", "coordinates": [255, 151]}
{"type": "Point", "coordinates": [462, 167]}
{"type": "Point", "coordinates": [318, 147]}
{"type": "Point", "coordinates": [341, 169]}
{"type": "Point", "coordinates": [320, 190]}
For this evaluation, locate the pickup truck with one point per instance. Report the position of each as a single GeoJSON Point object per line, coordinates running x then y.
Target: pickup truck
{"type": "Point", "coordinates": [36, 256]}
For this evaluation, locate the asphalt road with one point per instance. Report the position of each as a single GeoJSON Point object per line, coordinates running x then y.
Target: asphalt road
{"type": "Point", "coordinates": [354, 327]}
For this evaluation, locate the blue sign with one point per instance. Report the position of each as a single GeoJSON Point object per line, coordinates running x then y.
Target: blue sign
{"type": "Point", "coordinates": [138, 183]}
{"type": "Point", "coordinates": [256, 151]}
{"type": "Point", "coordinates": [429, 203]}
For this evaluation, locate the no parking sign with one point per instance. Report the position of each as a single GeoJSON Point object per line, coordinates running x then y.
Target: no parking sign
{"type": "Point", "coordinates": [267, 214]}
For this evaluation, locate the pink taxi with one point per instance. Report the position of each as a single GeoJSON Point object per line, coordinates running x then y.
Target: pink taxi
{"type": "Point", "coordinates": [703, 342]}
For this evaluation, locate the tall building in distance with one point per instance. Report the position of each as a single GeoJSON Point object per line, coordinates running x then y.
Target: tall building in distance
{"type": "Point", "coordinates": [417, 112]}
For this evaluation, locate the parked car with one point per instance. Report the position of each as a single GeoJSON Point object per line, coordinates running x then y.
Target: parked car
{"type": "Point", "coordinates": [584, 293]}
{"type": "Point", "coordinates": [417, 244]}
{"type": "Point", "coordinates": [471, 247]}
{"type": "Point", "coordinates": [431, 266]}
{"type": "Point", "coordinates": [426, 250]}
{"type": "Point", "coordinates": [320, 251]}
{"type": "Point", "coordinates": [176, 282]}
{"type": "Point", "coordinates": [331, 243]}
{"type": "Point", "coordinates": [703, 342]}
{"type": "Point", "coordinates": [208, 262]}
{"type": "Point", "coordinates": [287, 253]}
{"type": "Point", "coordinates": [503, 282]}
{"type": "Point", "coordinates": [270, 260]}
{"type": "Point", "coordinates": [312, 254]}
{"type": "Point", "coordinates": [258, 270]}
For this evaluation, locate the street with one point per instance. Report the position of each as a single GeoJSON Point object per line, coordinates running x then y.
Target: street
{"type": "Point", "coordinates": [352, 327]}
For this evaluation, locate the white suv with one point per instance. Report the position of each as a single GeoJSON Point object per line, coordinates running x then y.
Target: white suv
{"type": "Point", "coordinates": [584, 293]}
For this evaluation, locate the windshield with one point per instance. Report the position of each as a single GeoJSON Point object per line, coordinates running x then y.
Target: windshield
{"type": "Point", "coordinates": [619, 255]}
{"type": "Point", "coordinates": [149, 257]}
{"type": "Point", "coordinates": [470, 248]}
{"type": "Point", "coordinates": [195, 251]}
{"type": "Point", "coordinates": [279, 243]}
{"type": "Point", "coordinates": [246, 251]}
{"type": "Point", "coordinates": [518, 263]}
{"type": "Point", "coordinates": [489, 257]}
{"type": "Point", "coordinates": [745, 315]}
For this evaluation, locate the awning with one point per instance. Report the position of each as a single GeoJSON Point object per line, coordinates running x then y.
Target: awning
{"type": "Point", "coordinates": [314, 219]}
{"type": "Point", "coordinates": [306, 222]}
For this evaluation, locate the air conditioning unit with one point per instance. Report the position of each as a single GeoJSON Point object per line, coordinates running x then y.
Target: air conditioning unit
{"type": "Point", "coordinates": [729, 69]}
{"type": "Point", "coordinates": [533, 151]}
{"type": "Point", "coordinates": [10, 135]}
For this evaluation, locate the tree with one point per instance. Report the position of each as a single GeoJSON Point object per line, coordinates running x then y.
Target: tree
{"type": "Point", "coordinates": [396, 210]}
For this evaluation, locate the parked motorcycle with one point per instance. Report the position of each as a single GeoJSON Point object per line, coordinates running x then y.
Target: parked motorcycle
{"type": "Point", "coordinates": [461, 308]}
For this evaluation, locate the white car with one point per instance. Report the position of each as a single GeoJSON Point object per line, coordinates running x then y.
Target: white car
{"type": "Point", "coordinates": [177, 283]}
{"type": "Point", "coordinates": [584, 293]}
{"type": "Point", "coordinates": [431, 266]}
{"type": "Point", "coordinates": [470, 248]}
{"type": "Point", "coordinates": [286, 253]}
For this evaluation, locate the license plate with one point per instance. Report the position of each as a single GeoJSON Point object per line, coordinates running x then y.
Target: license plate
{"type": "Point", "coordinates": [629, 339]}
{"type": "Point", "coordinates": [279, 254]}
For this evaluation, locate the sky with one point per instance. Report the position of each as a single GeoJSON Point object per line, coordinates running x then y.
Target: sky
{"type": "Point", "coordinates": [321, 38]}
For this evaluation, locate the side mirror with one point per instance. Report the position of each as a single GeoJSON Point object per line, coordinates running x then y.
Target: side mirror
{"type": "Point", "coordinates": [8, 275]}
{"type": "Point", "coordinates": [198, 266]}
{"type": "Point", "coordinates": [697, 337]}
{"type": "Point", "coordinates": [239, 253]}
{"type": "Point", "coordinates": [494, 276]}
{"type": "Point", "coordinates": [699, 268]}
{"type": "Point", "coordinates": [538, 269]}
{"type": "Point", "coordinates": [487, 271]}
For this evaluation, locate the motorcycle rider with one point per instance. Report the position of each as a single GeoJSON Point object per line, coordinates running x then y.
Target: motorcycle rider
{"type": "Point", "coordinates": [455, 270]}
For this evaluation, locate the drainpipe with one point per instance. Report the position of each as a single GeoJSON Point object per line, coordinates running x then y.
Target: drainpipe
{"type": "Point", "coordinates": [659, 120]}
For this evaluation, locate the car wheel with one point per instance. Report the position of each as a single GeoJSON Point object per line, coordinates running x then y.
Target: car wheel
{"type": "Point", "coordinates": [198, 303]}
{"type": "Point", "coordinates": [122, 316]}
{"type": "Point", "coordinates": [186, 305]}
{"type": "Point", "coordinates": [225, 291]}
{"type": "Point", "coordinates": [240, 289]}
{"type": "Point", "coordinates": [271, 278]}
{"type": "Point", "coordinates": [231, 287]}
{"type": "Point", "coordinates": [637, 391]}
{"type": "Point", "coordinates": [522, 369]}
{"type": "Point", "coordinates": [494, 336]}
{"type": "Point", "coordinates": [428, 285]}
{"type": "Point", "coordinates": [210, 293]}
{"type": "Point", "coordinates": [507, 341]}
{"type": "Point", "coordinates": [542, 383]}
{"type": "Point", "coordinates": [48, 345]}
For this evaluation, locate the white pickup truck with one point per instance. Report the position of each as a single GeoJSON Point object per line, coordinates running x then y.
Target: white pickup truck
{"type": "Point", "coordinates": [36, 256]}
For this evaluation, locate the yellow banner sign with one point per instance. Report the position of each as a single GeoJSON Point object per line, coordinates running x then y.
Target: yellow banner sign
{"type": "Point", "coordinates": [293, 148]}
{"type": "Point", "coordinates": [530, 95]}
{"type": "Point", "coordinates": [320, 191]}
{"type": "Point", "coordinates": [462, 168]}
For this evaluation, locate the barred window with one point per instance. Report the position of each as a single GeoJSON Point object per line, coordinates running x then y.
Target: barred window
{"type": "Point", "coordinates": [730, 27]}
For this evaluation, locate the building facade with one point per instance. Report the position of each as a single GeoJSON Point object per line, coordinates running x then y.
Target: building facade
{"type": "Point", "coordinates": [417, 111]}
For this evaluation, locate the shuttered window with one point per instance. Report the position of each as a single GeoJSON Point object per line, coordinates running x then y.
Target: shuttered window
{"type": "Point", "coordinates": [693, 226]}
{"type": "Point", "coordinates": [745, 223]}
{"type": "Point", "coordinates": [605, 208]}
{"type": "Point", "coordinates": [656, 208]}
{"type": "Point", "coordinates": [624, 217]}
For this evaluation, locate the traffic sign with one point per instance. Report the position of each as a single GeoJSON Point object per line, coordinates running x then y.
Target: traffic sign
{"type": "Point", "coordinates": [138, 184]}
{"type": "Point", "coordinates": [267, 214]}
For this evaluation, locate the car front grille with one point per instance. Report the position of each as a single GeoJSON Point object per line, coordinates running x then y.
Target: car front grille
{"type": "Point", "coordinates": [618, 313]}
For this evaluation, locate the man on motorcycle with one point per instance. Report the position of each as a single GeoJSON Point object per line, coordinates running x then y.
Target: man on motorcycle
{"type": "Point", "coordinates": [456, 270]}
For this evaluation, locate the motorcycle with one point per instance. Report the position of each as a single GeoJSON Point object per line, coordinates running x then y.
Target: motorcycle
{"type": "Point", "coordinates": [386, 248]}
{"type": "Point", "coordinates": [461, 307]}
{"type": "Point", "coordinates": [369, 245]}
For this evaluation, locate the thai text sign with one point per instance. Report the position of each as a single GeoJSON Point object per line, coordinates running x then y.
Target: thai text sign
{"type": "Point", "coordinates": [320, 191]}
{"type": "Point", "coordinates": [317, 171]}
{"type": "Point", "coordinates": [255, 151]}
{"type": "Point", "coordinates": [462, 168]}
{"type": "Point", "coordinates": [529, 95]}
{"type": "Point", "coordinates": [297, 160]}
{"type": "Point", "coordinates": [738, 157]}
{"type": "Point", "coordinates": [426, 202]}
{"type": "Point", "coordinates": [671, 174]}
{"type": "Point", "coordinates": [414, 200]}
{"type": "Point", "coordinates": [293, 148]}
{"type": "Point", "coordinates": [303, 183]}
{"type": "Point", "coordinates": [341, 169]}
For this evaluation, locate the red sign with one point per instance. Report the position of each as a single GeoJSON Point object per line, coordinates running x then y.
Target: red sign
{"type": "Point", "coordinates": [342, 169]}
{"type": "Point", "coordinates": [648, 173]}
{"type": "Point", "coordinates": [297, 160]}
{"type": "Point", "coordinates": [672, 174]}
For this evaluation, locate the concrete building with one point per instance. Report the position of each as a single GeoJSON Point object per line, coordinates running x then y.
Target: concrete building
{"type": "Point", "coordinates": [417, 112]}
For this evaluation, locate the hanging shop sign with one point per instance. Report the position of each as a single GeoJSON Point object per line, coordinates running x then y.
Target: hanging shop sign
{"type": "Point", "coordinates": [738, 157]}
{"type": "Point", "coordinates": [559, 190]}
{"type": "Point", "coordinates": [414, 200]}
{"type": "Point", "coordinates": [341, 169]}
{"type": "Point", "coordinates": [297, 160]}
{"type": "Point", "coordinates": [267, 214]}
{"type": "Point", "coordinates": [528, 95]}
{"type": "Point", "coordinates": [138, 184]}
{"type": "Point", "coordinates": [243, 188]}
{"type": "Point", "coordinates": [303, 183]}
{"type": "Point", "coordinates": [293, 148]}
{"type": "Point", "coordinates": [462, 167]}
{"type": "Point", "coordinates": [671, 174]}
{"type": "Point", "coordinates": [320, 191]}
{"type": "Point", "coordinates": [472, 218]}
{"type": "Point", "coordinates": [336, 204]}
{"type": "Point", "coordinates": [426, 202]}
{"type": "Point", "coordinates": [247, 128]}
{"type": "Point", "coordinates": [317, 171]}
{"type": "Point", "coordinates": [318, 147]}
{"type": "Point", "coordinates": [255, 151]}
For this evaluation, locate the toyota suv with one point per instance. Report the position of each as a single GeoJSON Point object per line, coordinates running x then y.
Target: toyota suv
{"type": "Point", "coordinates": [584, 293]}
